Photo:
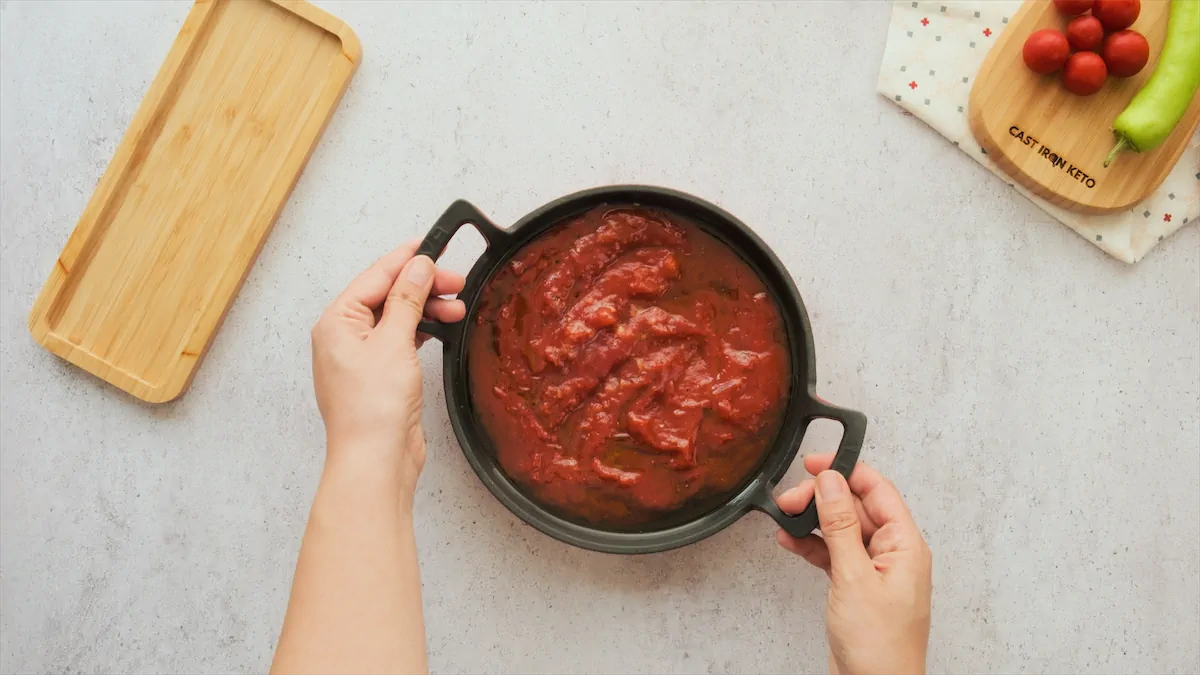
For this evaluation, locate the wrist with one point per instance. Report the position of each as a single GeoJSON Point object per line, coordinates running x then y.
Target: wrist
{"type": "Point", "coordinates": [370, 471]}
{"type": "Point", "coordinates": [353, 492]}
{"type": "Point", "coordinates": [905, 661]}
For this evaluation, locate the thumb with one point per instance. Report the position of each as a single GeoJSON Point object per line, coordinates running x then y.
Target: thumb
{"type": "Point", "coordinates": [840, 528]}
{"type": "Point", "coordinates": [406, 300]}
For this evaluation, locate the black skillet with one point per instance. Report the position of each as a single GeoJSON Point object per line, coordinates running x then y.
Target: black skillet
{"type": "Point", "coordinates": [713, 515]}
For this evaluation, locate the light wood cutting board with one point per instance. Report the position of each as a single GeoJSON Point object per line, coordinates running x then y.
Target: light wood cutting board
{"type": "Point", "coordinates": [192, 191]}
{"type": "Point", "coordinates": [1054, 142]}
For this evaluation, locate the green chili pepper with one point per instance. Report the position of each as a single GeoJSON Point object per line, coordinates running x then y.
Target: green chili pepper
{"type": "Point", "coordinates": [1162, 102]}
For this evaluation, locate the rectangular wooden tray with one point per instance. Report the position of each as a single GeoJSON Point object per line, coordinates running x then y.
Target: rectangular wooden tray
{"type": "Point", "coordinates": [192, 191]}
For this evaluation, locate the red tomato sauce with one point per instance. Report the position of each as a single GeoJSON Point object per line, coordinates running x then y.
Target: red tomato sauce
{"type": "Point", "coordinates": [626, 364]}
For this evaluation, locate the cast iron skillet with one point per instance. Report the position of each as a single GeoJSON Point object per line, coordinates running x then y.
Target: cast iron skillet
{"type": "Point", "coordinates": [803, 406]}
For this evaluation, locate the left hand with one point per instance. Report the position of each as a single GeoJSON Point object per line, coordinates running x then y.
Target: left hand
{"type": "Point", "coordinates": [365, 369]}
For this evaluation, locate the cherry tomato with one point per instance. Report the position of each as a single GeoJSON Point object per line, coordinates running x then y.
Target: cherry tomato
{"type": "Point", "coordinates": [1116, 14]}
{"type": "Point", "coordinates": [1085, 33]}
{"type": "Point", "coordinates": [1125, 53]}
{"type": "Point", "coordinates": [1084, 73]}
{"type": "Point", "coordinates": [1072, 7]}
{"type": "Point", "coordinates": [1046, 51]}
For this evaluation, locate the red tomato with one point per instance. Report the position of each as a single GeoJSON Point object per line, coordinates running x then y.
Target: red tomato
{"type": "Point", "coordinates": [1072, 7]}
{"type": "Point", "coordinates": [1084, 73]}
{"type": "Point", "coordinates": [1116, 14]}
{"type": "Point", "coordinates": [1045, 51]}
{"type": "Point", "coordinates": [1085, 33]}
{"type": "Point", "coordinates": [1125, 53]}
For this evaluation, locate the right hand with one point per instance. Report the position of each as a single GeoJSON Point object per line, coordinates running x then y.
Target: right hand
{"type": "Point", "coordinates": [365, 368]}
{"type": "Point", "coordinates": [879, 567]}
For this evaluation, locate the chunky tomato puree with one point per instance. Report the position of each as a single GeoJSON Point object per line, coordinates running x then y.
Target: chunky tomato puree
{"type": "Point", "coordinates": [625, 364]}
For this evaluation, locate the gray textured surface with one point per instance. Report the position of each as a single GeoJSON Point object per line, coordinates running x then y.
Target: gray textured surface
{"type": "Point", "coordinates": [1035, 400]}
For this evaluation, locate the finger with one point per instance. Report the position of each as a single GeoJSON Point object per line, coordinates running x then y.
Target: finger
{"type": "Point", "coordinates": [796, 500]}
{"type": "Point", "coordinates": [840, 528]}
{"type": "Point", "coordinates": [898, 554]}
{"type": "Point", "coordinates": [880, 499]}
{"type": "Point", "coordinates": [862, 479]}
{"type": "Point", "coordinates": [448, 282]}
{"type": "Point", "coordinates": [405, 302]}
{"type": "Point", "coordinates": [370, 288]}
{"type": "Point", "coordinates": [818, 462]}
{"type": "Point", "coordinates": [811, 548]}
{"type": "Point", "coordinates": [445, 311]}
{"type": "Point", "coordinates": [889, 539]}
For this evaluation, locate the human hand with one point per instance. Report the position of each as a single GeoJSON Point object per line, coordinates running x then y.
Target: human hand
{"type": "Point", "coordinates": [877, 616]}
{"type": "Point", "coordinates": [365, 368]}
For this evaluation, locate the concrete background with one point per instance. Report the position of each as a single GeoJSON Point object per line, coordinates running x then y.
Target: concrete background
{"type": "Point", "coordinates": [1036, 401]}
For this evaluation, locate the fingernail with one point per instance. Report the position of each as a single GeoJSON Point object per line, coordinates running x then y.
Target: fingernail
{"type": "Point", "coordinates": [831, 485]}
{"type": "Point", "coordinates": [420, 270]}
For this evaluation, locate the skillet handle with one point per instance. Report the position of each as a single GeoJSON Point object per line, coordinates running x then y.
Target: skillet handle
{"type": "Point", "coordinates": [434, 244]}
{"type": "Point", "coordinates": [854, 425]}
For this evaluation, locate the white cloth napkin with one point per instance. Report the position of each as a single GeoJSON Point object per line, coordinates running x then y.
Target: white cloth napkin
{"type": "Point", "coordinates": [934, 49]}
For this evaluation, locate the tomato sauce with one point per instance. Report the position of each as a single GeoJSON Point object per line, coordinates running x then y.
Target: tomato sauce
{"type": "Point", "coordinates": [626, 364]}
